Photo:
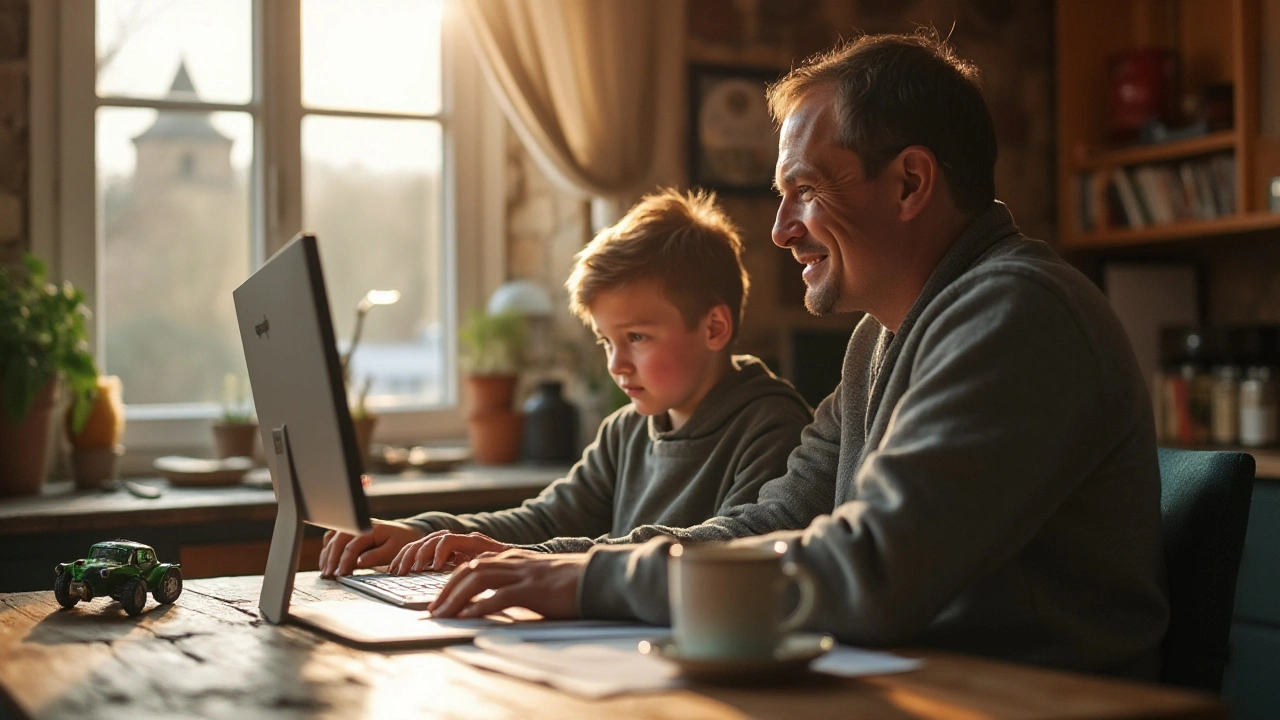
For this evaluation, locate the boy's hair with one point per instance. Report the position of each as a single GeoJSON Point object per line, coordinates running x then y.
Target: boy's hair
{"type": "Point", "coordinates": [682, 241]}
{"type": "Point", "coordinates": [894, 91]}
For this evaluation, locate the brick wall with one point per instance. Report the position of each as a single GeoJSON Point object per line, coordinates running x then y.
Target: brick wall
{"type": "Point", "coordinates": [15, 157]}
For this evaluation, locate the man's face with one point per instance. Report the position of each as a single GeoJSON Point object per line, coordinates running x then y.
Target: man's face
{"type": "Point", "coordinates": [836, 222]}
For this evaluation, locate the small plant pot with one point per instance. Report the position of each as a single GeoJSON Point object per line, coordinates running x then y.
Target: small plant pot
{"type": "Point", "coordinates": [95, 468]}
{"type": "Point", "coordinates": [235, 440]}
{"type": "Point", "coordinates": [24, 448]}
{"type": "Point", "coordinates": [495, 437]}
{"type": "Point", "coordinates": [492, 393]}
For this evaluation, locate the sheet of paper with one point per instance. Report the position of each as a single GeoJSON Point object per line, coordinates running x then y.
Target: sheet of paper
{"type": "Point", "coordinates": [592, 669]}
{"type": "Point", "coordinates": [597, 667]}
{"type": "Point", "coordinates": [848, 661]}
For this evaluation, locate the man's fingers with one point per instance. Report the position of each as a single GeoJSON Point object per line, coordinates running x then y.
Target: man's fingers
{"type": "Point", "coordinates": [513, 595]}
{"type": "Point", "coordinates": [457, 594]}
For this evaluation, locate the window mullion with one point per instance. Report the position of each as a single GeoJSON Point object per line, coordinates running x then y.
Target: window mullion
{"type": "Point", "coordinates": [78, 242]}
{"type": "Point", "coordinates": [282, 119]}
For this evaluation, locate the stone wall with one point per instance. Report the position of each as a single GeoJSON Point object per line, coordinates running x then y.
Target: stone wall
{"type": "Point", "coordinates": [15, 156]}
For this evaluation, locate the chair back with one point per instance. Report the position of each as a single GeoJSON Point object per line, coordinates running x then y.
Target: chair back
{"type": "Point", "coordinates": [1204, 508]}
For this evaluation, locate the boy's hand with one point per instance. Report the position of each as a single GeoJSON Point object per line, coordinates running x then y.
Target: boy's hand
{"type": "Point", "coordinates": [442, 549]}
{"type": "Point", "coordinates": [343, 553]}
{"type": "Point", "coordinates": [546, 584]}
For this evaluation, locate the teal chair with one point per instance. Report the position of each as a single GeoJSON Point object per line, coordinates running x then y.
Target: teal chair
{"type": "Point", "coordinates": [1204, 507]}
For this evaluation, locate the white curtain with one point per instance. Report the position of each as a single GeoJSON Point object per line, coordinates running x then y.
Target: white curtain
{"type": "Point", "coordinates": [593, 88]}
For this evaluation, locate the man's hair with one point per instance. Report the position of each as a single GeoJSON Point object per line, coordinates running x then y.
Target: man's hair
{"type": "Point", "coordinates": [682, 241]}
{"type": "Point", "coordinates": [894, 91]}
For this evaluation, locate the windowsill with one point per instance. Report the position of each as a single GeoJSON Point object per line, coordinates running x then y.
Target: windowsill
{"type": "Point", "coordinates": [61, 505]}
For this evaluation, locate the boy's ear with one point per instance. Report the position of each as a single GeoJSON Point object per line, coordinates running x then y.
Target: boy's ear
{"type": "Point", "coordinates": [718, 326]}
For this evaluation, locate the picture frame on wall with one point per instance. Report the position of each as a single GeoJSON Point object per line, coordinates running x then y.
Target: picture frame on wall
{"type": "Point", "coordinates": [733, 145]}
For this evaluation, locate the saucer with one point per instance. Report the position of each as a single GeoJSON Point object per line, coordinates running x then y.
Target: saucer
{"type": "Point", "coordinates": [791, 657]}
{"type": "Point", "coordinates": [200, 472]}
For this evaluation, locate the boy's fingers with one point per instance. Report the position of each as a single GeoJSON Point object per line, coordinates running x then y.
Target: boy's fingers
{"type": "Point", "coordinates": [333, 544]}
{"type": "Point", "coordinates": [399, 564]}
{"type": "Point", "coordinates": [351, 553]}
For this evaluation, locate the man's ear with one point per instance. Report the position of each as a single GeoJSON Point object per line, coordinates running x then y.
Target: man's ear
{"type": "Point", "coordinates": [718, 327]}
{"type": "Point", "coordinates": [920, 178]}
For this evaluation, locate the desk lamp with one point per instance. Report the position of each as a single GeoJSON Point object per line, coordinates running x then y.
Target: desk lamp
{"type": "Point", "coordinates": [367, 303]}
{"type": "Point", "coordinates": [528, 300]}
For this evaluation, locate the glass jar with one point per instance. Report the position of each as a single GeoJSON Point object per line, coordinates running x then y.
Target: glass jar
{"type": "Point", "coordinates": [1258, 407]}
{"type": "Point", "coordinates": [1188, 405]}
{"type": "Point", "coordinates": [1224, 425]}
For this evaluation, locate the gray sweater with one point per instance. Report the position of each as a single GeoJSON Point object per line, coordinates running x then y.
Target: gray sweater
{"type": "Point", "coordinates": [639, 471]}
{"type": "Point", "coordinates": [988, 477]}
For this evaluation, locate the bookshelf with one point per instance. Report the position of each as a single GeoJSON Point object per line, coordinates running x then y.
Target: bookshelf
{"type": "Point", "coordinates": [1215, 182]}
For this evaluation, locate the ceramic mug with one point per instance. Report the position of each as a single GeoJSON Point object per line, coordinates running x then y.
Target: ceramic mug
{"type": "Point", "coordinates": [727, 602]}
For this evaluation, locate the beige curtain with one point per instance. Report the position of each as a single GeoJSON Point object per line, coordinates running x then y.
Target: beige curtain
{"type": "Point", "coordinates": [593, 88]}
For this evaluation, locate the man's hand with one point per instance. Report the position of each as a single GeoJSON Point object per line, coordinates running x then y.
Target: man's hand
{"type": "Point", "coordinates": [441, 550]}
{"type": "Point", "coordinates": [546, 584]}
{"type": "Point", "coordinates": [343, 553]}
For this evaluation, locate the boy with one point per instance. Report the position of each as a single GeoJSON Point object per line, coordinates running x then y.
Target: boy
{"type": "Point", "coordinates": [663, 290]}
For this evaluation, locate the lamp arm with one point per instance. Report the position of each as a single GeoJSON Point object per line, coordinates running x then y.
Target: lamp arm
{"type": "Point", "coordinates": [355, 340]}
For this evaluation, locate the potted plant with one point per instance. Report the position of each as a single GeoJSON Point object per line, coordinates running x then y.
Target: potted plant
{"type": "Point", "coordinates": [95, 447]}
{"type": "Point", "coordinates": [236, 432]}
{"type": "Point", "coordinates": [43, 344]}
{"type": "Point", "coordinates": [491, 345]}
{"type": "Point", "coordinates": [363, 421]}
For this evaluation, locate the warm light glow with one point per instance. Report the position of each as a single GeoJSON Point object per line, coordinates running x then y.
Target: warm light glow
{"type": "Point", "coordinates": [382, 297]}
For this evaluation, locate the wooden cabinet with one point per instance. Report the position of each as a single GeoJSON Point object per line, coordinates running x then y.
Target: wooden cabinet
{"type": "Point", "coordinates": [1214, 182]}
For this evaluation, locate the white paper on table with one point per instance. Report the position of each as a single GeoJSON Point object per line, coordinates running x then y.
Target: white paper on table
{"type": "Point", "coordinates": [598, 667]}
{"type": "Point", "coordinates": [849, 661]}
{"type": "Point", "coordinates": [589, 668]}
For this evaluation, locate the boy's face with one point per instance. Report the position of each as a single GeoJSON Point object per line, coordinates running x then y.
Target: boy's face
{"type": "Point", "coordinates": [662, 365]}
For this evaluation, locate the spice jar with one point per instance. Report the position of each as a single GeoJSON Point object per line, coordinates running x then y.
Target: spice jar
{"type": "Point", "coordinates": [1224, 418]}
{"type": "Point", "coordinates": [1258, 407]}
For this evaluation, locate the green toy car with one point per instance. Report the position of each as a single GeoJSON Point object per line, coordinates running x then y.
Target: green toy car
{"type": "Point", "coordinates": [121, 569]}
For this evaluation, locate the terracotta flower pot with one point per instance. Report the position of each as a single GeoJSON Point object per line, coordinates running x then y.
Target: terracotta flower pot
{"type": "Point", "coordinates": [235, 439]}
{"type": "Point", "coordinates": [492, 393]}
{"type": "Point", "coordinates": [24, 448]}
{"type": "Point", "coordinates": [495, 437]}
{"type": "Point", "coordinates": [95, 468]}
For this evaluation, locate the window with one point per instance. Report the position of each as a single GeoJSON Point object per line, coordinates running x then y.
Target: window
{"type": "Point", "coordinates": [195, 138]}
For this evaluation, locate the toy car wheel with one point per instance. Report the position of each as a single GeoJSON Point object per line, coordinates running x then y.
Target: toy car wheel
{"type": "Point", "coordinates": [133, 596]}
{"type": "Point", "coordinates": [169, 587]}
{"type": "Point", "coordinates": [62, 591]}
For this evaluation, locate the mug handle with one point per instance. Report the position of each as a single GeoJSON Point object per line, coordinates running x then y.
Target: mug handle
{"type": "Point", "coordinates": [808, 597]}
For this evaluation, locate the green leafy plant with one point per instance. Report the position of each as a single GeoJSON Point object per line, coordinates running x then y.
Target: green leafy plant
{"type": "Point", "coordinates": [237, 407]}
{"type": "Point", "coordinates": [43, 339]}
{"type": "Point", "coordinates": [492, 343]}
{"type": "Point", "coordinates": [359, 410]}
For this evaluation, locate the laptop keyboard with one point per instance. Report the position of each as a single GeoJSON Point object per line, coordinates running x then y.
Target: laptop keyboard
{"type": "Point", "coordinates": [407, 590]}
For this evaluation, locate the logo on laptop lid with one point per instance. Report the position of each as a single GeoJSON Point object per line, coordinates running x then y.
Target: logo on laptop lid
{"type": "Point", "coordinates": [263, 328]}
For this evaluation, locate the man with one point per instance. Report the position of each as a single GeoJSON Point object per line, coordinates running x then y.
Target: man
{"type": "Point", "coordinates": [989, 455]}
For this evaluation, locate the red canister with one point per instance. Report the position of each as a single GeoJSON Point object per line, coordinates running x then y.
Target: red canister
{"type": "Point", "coordinates": [1143, 84]}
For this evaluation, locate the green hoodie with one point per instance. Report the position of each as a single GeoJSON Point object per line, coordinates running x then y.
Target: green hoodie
{"type": "Point", "coordinates": [640, 472]}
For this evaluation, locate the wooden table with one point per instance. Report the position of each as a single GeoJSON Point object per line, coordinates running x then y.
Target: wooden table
{"type": "Point", "coordinates": [209, 655]}
{"type": "Point", "coordinates": [215, 531]}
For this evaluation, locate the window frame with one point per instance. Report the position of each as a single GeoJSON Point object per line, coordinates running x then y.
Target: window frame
{"type": "Point", "coordinates": [65, 219]}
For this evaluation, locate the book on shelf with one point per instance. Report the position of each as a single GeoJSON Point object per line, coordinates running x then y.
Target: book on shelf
{"type": "Point", "coordinates": [1162, 193]}
{"type": "Point", "coordinates": [1134, 213]}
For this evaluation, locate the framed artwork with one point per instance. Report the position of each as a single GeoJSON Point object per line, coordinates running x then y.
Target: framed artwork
{"type": "Point", "coordinates": [733, 145]}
